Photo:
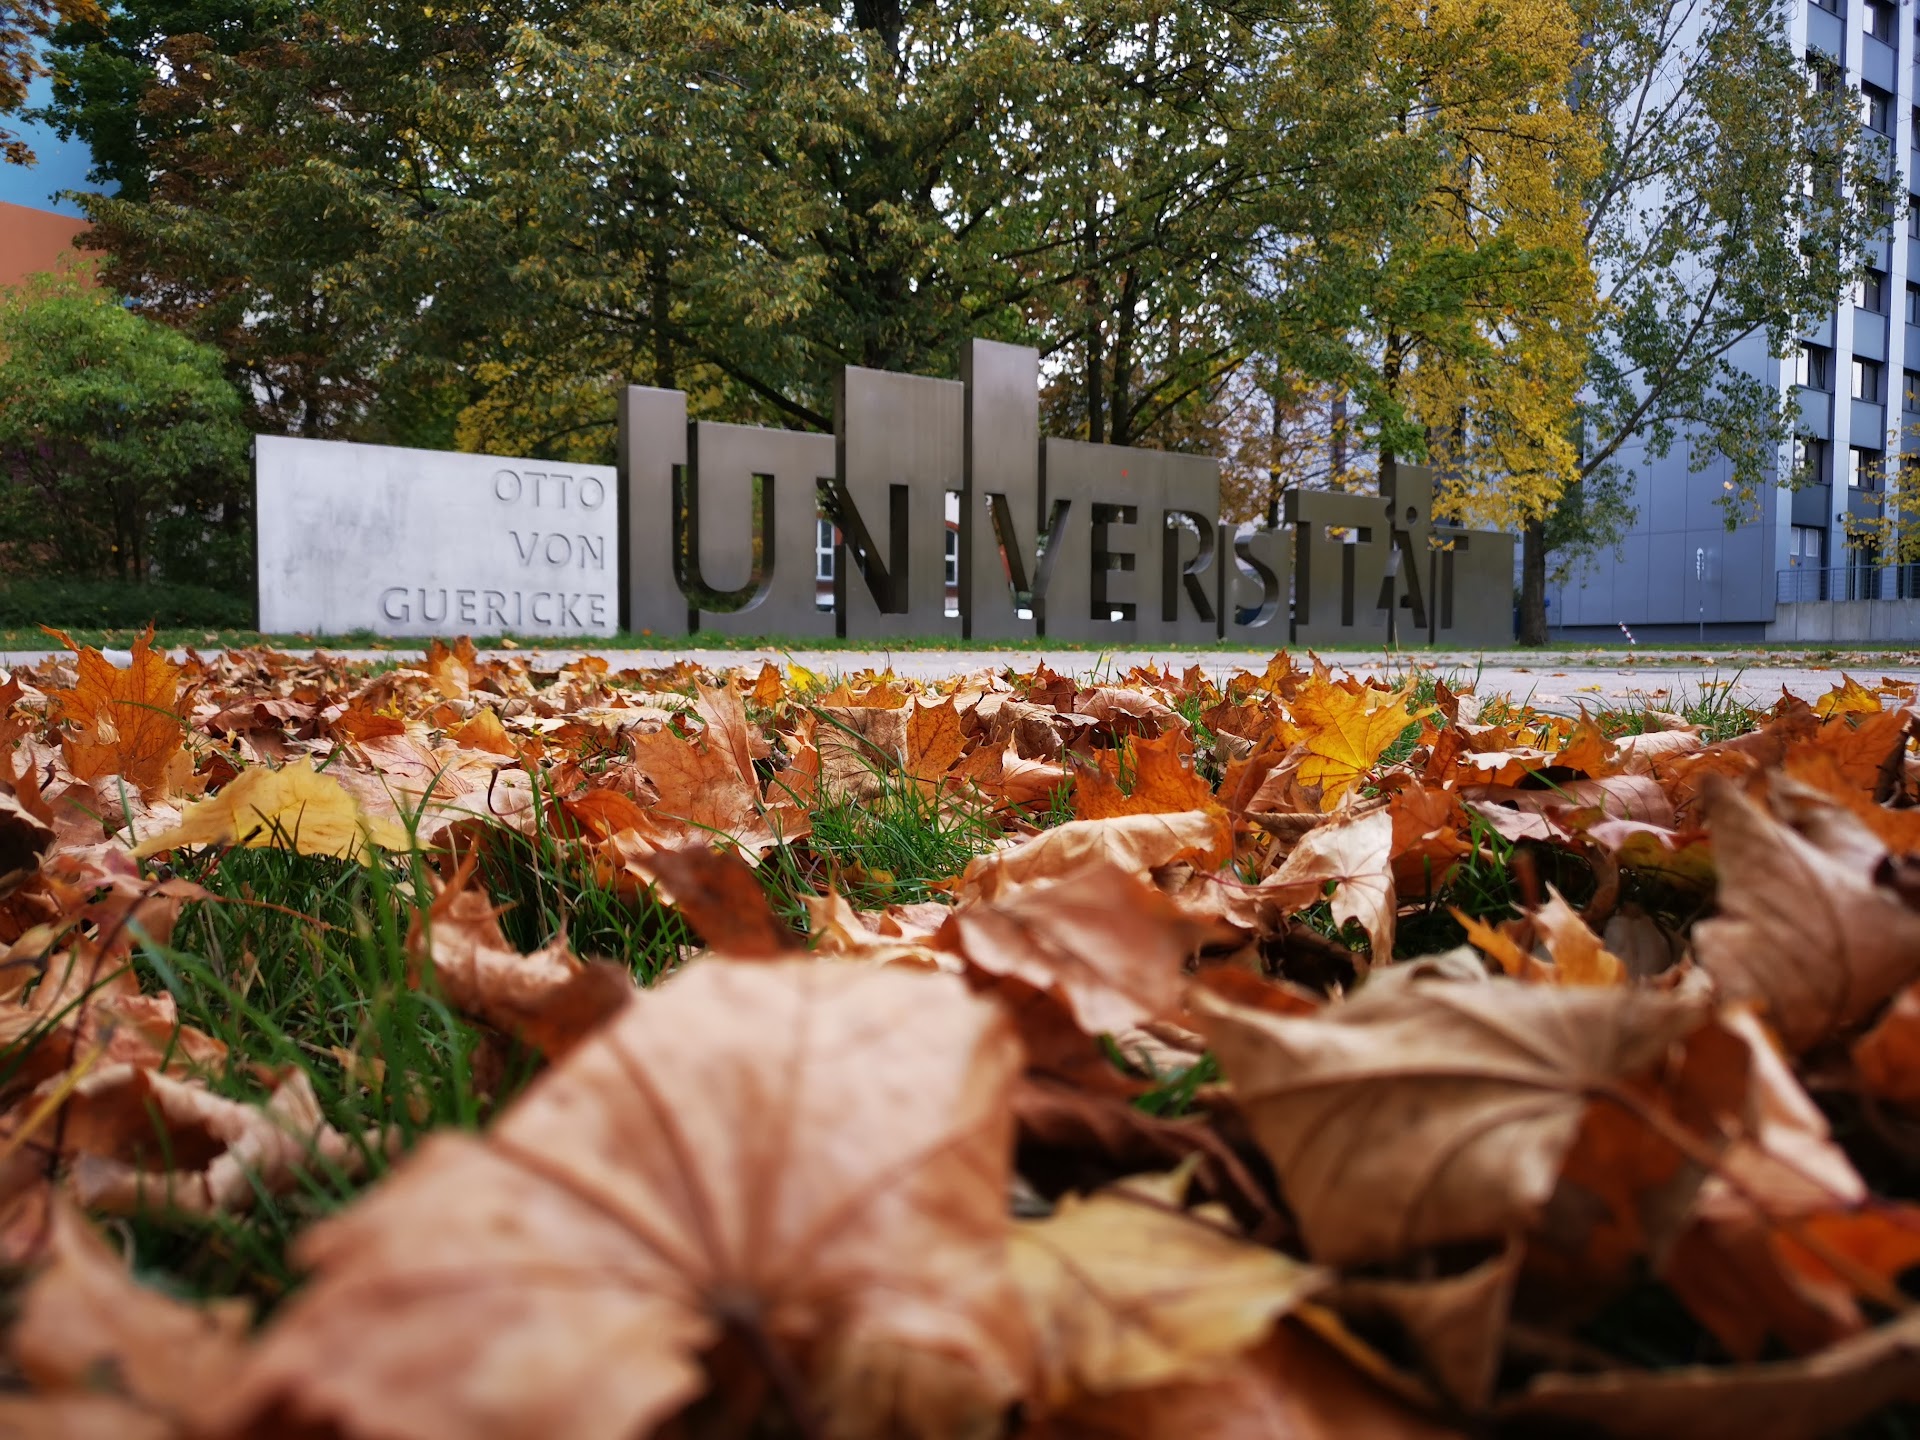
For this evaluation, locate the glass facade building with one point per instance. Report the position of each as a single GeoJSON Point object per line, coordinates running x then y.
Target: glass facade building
{"type": "Point", "coordinates": [1680, 568]}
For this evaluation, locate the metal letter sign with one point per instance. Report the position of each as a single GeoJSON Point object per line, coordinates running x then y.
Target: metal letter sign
{"type": "Point", "coordinates": [724, 527]}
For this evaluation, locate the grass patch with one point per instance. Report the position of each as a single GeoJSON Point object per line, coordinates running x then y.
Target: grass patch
{"type": "Point", "coordinates": [299, 961]}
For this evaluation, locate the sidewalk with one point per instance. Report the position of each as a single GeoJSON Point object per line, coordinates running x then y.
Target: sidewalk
{"type": "Point", "coordinates": [1557, 680]}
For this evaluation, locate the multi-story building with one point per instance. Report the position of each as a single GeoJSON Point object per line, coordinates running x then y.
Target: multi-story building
{"type": "Point", "coordinates": [37, 227]}
{"type": "Point", "coordinates": [1790, 572]}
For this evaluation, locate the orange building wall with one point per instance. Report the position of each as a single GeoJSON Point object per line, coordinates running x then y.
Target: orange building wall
{"type": "Point", "coordinates": [32, 241]}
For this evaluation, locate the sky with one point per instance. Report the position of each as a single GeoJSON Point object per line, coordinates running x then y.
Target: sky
{"type": "Point", "coordinates": [62, 164]}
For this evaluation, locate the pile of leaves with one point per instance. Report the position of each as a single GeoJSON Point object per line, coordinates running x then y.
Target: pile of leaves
{"type": "Point", "coordinates": [479, 1050]}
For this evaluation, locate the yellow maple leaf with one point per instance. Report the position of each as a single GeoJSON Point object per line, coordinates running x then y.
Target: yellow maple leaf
{"type": "Point", "coordinates": [1346, 733]}
{"type": "Point", "coordinates": [296, 808]}
{"type": "Point", "coordinates": [1849, 697]}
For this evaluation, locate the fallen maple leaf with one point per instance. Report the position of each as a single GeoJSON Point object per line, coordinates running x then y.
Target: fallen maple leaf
{"type": "Point", "coordinates": [1448, 1106]}
{"type": "Point", "coordinates": [1164, 781]}
{"type": "Point", "coordinates": [1820, 1395]}
{"type": "Point", "coordinates": [550, 998]}
{"type": "Point", "coordinates": [935, 742]}
{"type": "Point", "coordinates": [1110, 945]}
{"type": "Point", "coordinates": [295, 808]}
{"type": "Point", "coordinates": [1887, 1057]}
{"type": "Point", "coordinates": [1133, 842]}
{"type": "Point", "coordinates": [810, 1159]}
{"type": "Point", "coordinates": [1803, 929]}
{"type": "Point", "coordinates": [720, 897]}
{"type": "Point", "coordinates": [128, 722]}
{"type": "Point", "coordinates": [1849, 697]}
{"type": "Point", "coordinates": [1293, 1387]}
{"type": "Point", "coordinates": [105, 1350]}
{"type": "Point", "coordinates": [1124, 1289]}
{"type": "Point", "coordinates": [1352, 856]}
{"type": "Point", "coordinates": [1346, 732]}
{"type": "Point", "coordinates": [122, 1119]}
{"type": "Point", "coordinates": [1580, 957]}
{"type": "Point", "coordinates": [24, 837]}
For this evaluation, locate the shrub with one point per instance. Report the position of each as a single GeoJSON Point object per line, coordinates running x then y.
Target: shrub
{"type": "Point", "coordinates": [124, 444]}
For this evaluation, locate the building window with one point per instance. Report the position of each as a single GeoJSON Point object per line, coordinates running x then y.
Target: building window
{"type": "Point", "coordinates": [1813, 461]}
{"type": "Point", "coordinates": [1816, 368]}
{"type": "Point", "coordinates": [1910, 392]}
{"type": "Point", "coordinates": [953, 556]}
{"type": "Point", "coordinates": [1868, 380]}
{"type": "Point", "coordinates": [1863, 469]}
{"type": "Point", "coordinates": [1882, 19]}
{"type": "Point", "coordinates": [1913, 207]}
{"type": "Point", "coordinates": [1870, 291]}
{"type": "Point", "coordinates": [823, 551]}
{"type": "Point", "coordinates": [1832, 7]}
{"type": "Point", "coordinates": [1876, 108]}
{"type": "Point", "coordinates": [1807, 547]}
{"type": "Point", "coordinates": [1913, 303]}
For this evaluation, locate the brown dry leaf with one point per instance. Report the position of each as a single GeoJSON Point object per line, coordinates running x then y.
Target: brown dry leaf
{"type": "Point", "coordinates": [1164, 781]}
{"type": "Point", "coordinates": [24, 837]}
{"type": "Point", "coordinates": [1003, 775]}
{"type": "Point", "coordinates": [1352, 855]}
{"type": "Point", "coordinates": [129, 722]}
{"type": "Point", "coordinates": [1456, 1324]}
{"type": "Point", "coordinates": [1346, 733]}
{"type": "Point", "coordinates": [1109, 945]}
{"type": "Point", "coordinates": [211, 1156]}
{"type": "Point", "coordinates": [293, 808]}
{"type": "Point", "coordinates": [451, 670]}
{"type": "Point", "coordinates": [1124, 1289]}
{"type": "Point", "coordinates": [728, 730]}
{"type": "Point", "coordinates": [551, 998]}
{"type": "Point", "coordinates": [808, 1158]}
{"type": "Point", "coordinates": [1125, 712]}
{"type": "Point", "coordinates": [1802, 929]}
{"type": "Point", "coordinates": [1579, 956]}
{"type": "Point", "coordinates": [1449, 1107]}
{"type": "Point", "coordinates": [1820, 1395]}
{"type": "Point", "coordinates": [839, 931]}
{"type": "Point", "coordinates": [860, 746]}
{"type": "Point", "coordinates": [1652, 752]}
{"type": "Point", "coordinates": [1429, 838]}
{"type": "Point", "coordinates": [1139, 843]}
{"type": "Point", "coordinates": [1887, 1057]}
{"type": "Point", "coordinates": [720, 897]}
{"type": "Point", "coordinates": [483, 731]}
{"type": "Point", "coordinates": [700, 782]}
{"type": "Point", "coordinates": [935, 743]}
{"type": "Point", "coordinates": [1293, 1387]}
{"type": "Point", "coordinates": [87, 1332]}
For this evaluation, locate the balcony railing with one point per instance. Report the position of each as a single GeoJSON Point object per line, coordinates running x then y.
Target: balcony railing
{"type": "Point", "coordinates": [1803, 584]}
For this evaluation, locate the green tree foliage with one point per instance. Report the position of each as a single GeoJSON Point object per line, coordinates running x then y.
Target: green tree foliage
{"type": "Point", "coordinates": [124, 444]}
{"type": "Point", "coordinates": [104, 64]}
{"type": "Point", "coordinates": [497, 214]}
{"type": "Point", "coordinates": [1737, 201]}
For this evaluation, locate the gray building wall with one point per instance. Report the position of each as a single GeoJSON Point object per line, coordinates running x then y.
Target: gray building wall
{"type": "Point", "coordinates": [1680, 567]}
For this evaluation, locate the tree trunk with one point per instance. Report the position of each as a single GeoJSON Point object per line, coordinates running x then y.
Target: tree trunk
{"type": "Point", "coordinates": [1533, 583]}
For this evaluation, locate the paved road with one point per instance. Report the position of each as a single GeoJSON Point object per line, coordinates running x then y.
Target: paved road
{"type": "Point", "coordinates": [1551, 680]}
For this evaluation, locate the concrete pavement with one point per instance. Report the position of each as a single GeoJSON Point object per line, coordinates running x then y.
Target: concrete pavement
{"type": "Point", "coordinates": [1554, 680]}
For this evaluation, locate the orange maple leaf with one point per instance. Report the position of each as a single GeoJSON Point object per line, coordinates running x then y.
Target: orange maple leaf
{"type": "Point", "coordinates": [127, 722]}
